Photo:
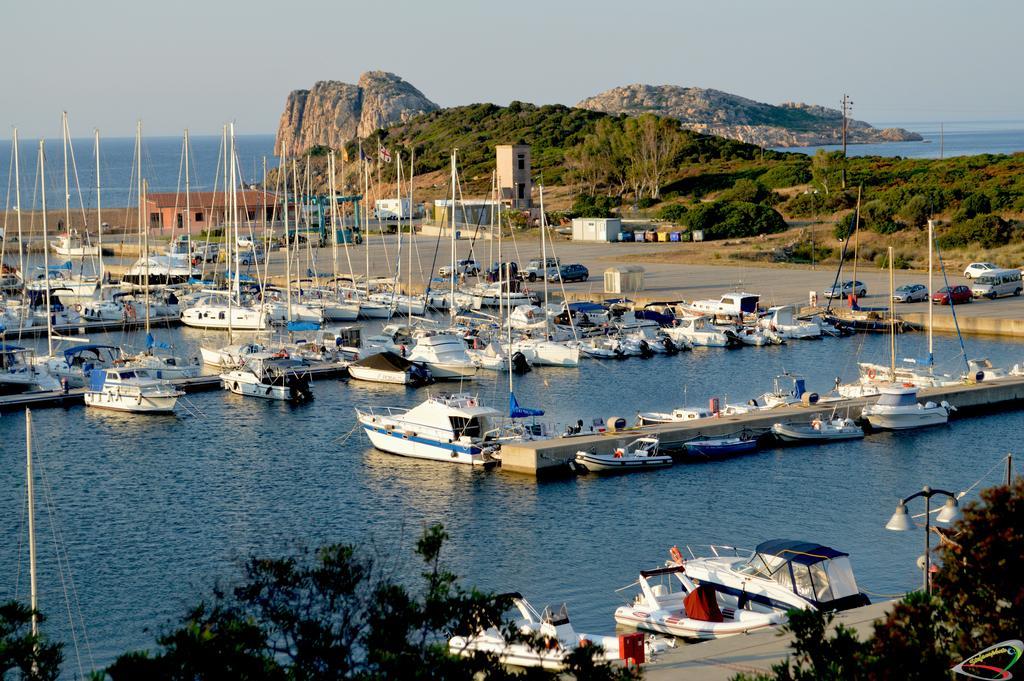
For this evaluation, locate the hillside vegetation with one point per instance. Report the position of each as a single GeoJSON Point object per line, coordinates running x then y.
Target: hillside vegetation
{"type": "Point", "coordinates": [609, 164]}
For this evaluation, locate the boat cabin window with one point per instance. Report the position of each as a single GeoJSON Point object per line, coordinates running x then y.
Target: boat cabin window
{"type": "Point", "coordinates": [898, 399]}
{"type": "Point", "coordinates": [470, 427]}
{"type": "Point", "coordinates": [822, 590]}
{"type": "Point", "coordinates": [840, 574]}
{"type": "Point", "coordinates": [802, 583]}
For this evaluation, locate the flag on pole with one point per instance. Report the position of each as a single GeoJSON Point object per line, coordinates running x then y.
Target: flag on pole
{"type": "Point", "coordinates": [383, 152]}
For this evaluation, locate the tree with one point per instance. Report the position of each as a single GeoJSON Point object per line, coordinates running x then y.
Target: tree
{"type": "Point", "coordinates": [35, 658]}
{"type": "Point", "coordinates": [335, 613]}
{"type": "Point", "coordinates": [827, 169]}
{"type": "Point", "coordinates": [915, 212]}
{"type": "Point", "coordinates": [654, 144]}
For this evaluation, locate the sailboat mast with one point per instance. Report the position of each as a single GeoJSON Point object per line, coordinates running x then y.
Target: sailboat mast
{"type": "Point", "coordinates": [287, 239]}
{"type": "Point", "coordinates": [17, 210]}
{"type": "Point", "coordinates": [67, 189]}
{"type": "Point", "coordinates": [234, 216]}
{"type": "Point", "coordinates": [892, 321]}
{"type": "Point", "coordinates": [33, 592]}
{"type": "Point", "coordinates": [412, 229]}
{"type": "Point", "coordinates": [366, 221]}
{"type": "Point", "coordinates": [99, 205]}
{"type": "Point", "coordinates": [334, 219]}
{"type": "Point", "coordinates": [145, 256]}
{"type": "Point", "coordinates": [188, 200]}
{"type": "Point", "coordinates": [46, 247]}
{"type": "Point", "coordinates": [451, 303]}
{"type": "Point", "coordinates": [856, 244]}
{"type": "Point", "coordinates": [931, 340]}
{"type": "Point", "coordinates": [227, 233]}
{"type": "Point", "coordinates": [544, 258]}
{"type": "Point", "coordinates": [288, 253]}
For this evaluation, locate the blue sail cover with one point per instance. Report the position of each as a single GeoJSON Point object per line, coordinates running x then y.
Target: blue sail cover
{"type": "Point", "coordinates": [151, 343]}
{"type": "Point", "coordinates": [303, 326]}
{"type": "Point", "coordinates": [97, 377]}
{"type": "Point", "coordinates": [517, 412]}
{"type": "Point", "coordinates": [62, 266]}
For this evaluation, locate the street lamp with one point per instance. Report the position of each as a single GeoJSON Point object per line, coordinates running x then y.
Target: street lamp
{"type": "Point", "coordinates": [900, 521]}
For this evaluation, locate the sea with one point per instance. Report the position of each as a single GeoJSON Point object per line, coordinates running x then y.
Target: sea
{"type": "Point", "coordinates": [151, 512]}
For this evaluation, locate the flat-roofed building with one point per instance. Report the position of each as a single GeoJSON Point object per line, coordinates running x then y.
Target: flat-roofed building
{"type": "Point", "coordinates": [207, 210]}
{"type": "Point", "coordinates": [515, 184]}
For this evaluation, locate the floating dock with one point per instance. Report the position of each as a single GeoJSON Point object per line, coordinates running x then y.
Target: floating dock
{"type": "Point", "coordinates": [549, 457]}
{"type": "Point", "coordinates": [83, 328]}
{"type": "Point", "coordinates": [203, 383]}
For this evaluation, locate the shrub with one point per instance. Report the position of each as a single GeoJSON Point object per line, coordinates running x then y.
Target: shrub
{"type": "Point", "coordinates": [587, 206]}
{"type": "Point", "coordinates": [987, 231]}
{"type": "Point", "coordinates": [974, 205]}
{"type": "Point", "coordinates": [786, 175]}
{"type": "Point", "coordinates": [746, 190]}
{"type": "Point", "coordinates": [732, 219]}
{"type": "Point", "coordinates": [899, 261]}
{"type": "Point", "coordinates": [915, 211]}
{"type": "Point", "coordinates": [672, 212]}
{"type": "Point", "coordinates": [645, 202]}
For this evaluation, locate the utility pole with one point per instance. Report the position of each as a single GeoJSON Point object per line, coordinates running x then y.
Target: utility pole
{"type": "Point", "coordinates": [847, 105]}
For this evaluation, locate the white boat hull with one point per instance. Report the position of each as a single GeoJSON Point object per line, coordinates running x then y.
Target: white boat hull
{"type": "Point", "coordinates": [790, 433]}
{"type": "Point", "coordinates": [136, 404]}
{"type": "Point", "coordinates": [239, 319]}
{"type": "Point", "coordinates": [407, 444]}
{"type": "Point", "coordinates": [923, 418]}
{"type": "Point", "coordinates": [240, 386]}
{"type": "Point", "coordinates": [361, 373]}
{"type": "Point", "coordinates": [453, 371]}
{"type": "Point", "coordinates": [676, 623]}
{"type": "Point", "coordinates": [599, 463]}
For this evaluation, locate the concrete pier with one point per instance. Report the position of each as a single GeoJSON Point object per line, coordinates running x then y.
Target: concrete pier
{"type": "Point", "coordinates": [545, 457]}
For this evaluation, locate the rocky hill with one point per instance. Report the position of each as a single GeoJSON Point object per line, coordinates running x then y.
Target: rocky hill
{"type": "Point", "coordinates": [726, 115]}
{"type": "Point", "coordinates": [332, 112]}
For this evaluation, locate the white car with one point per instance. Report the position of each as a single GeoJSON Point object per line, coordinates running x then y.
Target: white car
{"type": "Point", "coordinates": [976, 269]}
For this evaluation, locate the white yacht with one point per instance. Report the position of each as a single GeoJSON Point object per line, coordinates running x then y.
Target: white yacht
{"type": "Point", "coordinates": [783, 321]}
{"type": "Point", "coordinates": [699, 331]}
{"type": "Point", "coordinates": [213, 312]}
{"type": "Point", "coordinates": [777, 576]}
{"type": "Point", "coordinates": [230, 356]}
{"type": "Point", "coordinates": [70, 245]}
{"type": "Point", "coordinates": [162, 270]}
{"type": "Point", "coordinates": [18, 373]}
{"type": "Point", "coordinates": [540, 352]}
{"type": "Point", "coordinates": [528, 317]}
{"type": "Point", "coordinates": [445, 427]}
{"type": "Point", "coordinates": [552, 627]}
{"type": "Point", "coordinates": [818, 430]}
{"type": "Point", "coordinates": [131, 390]}
{"type": "Point", "coordinates": [670, 602]}
{"type": "Point", "coordinates": [270, 377]}
{"type": "Point", "coordinates": [898, 409]}
{"type": "Point", "coordinates": [389, 367]}
{"type": "Point", "coordinates": [445, 355]}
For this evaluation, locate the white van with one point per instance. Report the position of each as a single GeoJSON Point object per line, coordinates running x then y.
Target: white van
{"type": "Point", "coordinates": [996, 283]}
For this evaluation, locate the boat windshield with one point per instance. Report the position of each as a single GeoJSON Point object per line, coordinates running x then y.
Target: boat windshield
{"type": "Point", "coordinates": [469, 427]}
{"type": "Point", "coordinates": [897, 400]}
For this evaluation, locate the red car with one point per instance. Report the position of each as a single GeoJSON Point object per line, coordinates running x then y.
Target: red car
{"type": "Point", "coordinates": [959, 294]}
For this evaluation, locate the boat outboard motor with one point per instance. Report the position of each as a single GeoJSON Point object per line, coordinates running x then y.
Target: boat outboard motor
{"type": "Point", "coordinates": [645, 350]}
{"type": "Point", "coordinates": [419, 375]}
{"type": "Point", "coordinates": [731, 339]}
{"type": "Point", "coordinates": [519, 363]}
{"type": "Point", "coordinates": [298, 388]}
{"type": "Point", "coordinates": [669, 346]}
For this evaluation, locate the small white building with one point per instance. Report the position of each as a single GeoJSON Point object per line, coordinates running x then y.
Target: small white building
{"type": "Point", "coordinates": [596, 229]}
{"type": "Point", "coordinates": [624, 279]}
{"type": "Point", "coordinates": [393, 209]}
{"type": "Point", "coordinates": [468, 213]}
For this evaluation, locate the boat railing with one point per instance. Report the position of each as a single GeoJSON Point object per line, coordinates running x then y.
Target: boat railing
{"type": "Point", "coordinates": [389, 412]}
{"type": "Point", "coordinates": [720, 551]}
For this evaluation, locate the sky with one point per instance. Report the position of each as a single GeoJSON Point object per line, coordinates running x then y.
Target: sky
{"type": "Point", "coordinates": [199, 64]}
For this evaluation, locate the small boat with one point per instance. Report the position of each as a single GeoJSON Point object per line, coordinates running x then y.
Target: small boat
{"type": "Point", "coordinates": [640, 454]}
{"type": "Point", "coordinates": [230, 356]}
{"type": "Point", "coordinates": [553, 628]}
{"type": "Point", "coordinates": [719, 447]}
{"type": "Point", "coordinates": [445, 355]}
{"type": "Point", "coordinates": [651, 418]}
{"type": "Point", "coordinates": [700, 331]}
{"type": "Point", "coordinates": [79, 361]}
{"type": "Point", "coordinates": [491, 357]}
{"type": "Point", "coordinates": [898, 409]}
{"type": "Point", "coordinates": [71, 246]}
{"type": "Point", "coordinates": [679, 607]}
{"type": "Point", "coordinates": [18, 373]}
{"type": "Point", "coordinates": [131, 390]}
{"type": "Point", "coordinates": [783, 321]}
{"type": "Point", "coordinates": [602, 348]}
{"type": "Point", "coordinates": [389, 367]}
{"type": "Point", "coordinates": [271, 377]}
{"type": "Point", "coordinates": [444, 427]}
{"type": "Point", "coordinates": [818, 430]}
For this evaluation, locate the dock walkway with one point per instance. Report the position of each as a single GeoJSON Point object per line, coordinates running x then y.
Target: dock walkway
{"type": "Point", "coordinates": [753, 653]}
{"type": "Point", "coordinates": [541, 457]}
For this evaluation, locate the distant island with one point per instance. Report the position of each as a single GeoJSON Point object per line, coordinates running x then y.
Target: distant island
{"type": "Point", "coordinates": [333, 112]}
{"type": "Point", "coordinates": [714, 112]}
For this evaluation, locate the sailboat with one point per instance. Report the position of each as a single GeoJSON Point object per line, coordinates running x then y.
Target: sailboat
{"type": "Point", "coordinates": [898, 408]}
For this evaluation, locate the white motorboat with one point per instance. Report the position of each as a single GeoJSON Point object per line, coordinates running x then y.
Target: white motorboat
{"type": "Point", "coordinates": [492, 357]}
{"type": "Point", "coordinates": [641, 454]}
{"type": "Point", "coordinates": [278, 313]}
{"type": "Point", "coordinates": [898, 409]}
{"type": "Point", "coordinates": [979, 370]}
{"type": "Point", "coordinates": [230, 356]}
{"type": "Point", "coordinates": [782, 395]}
{"type": "Point", "coordinates": [554, 629]}
{"type": "Point", "coordinates": [71, 245]}
{"type": "Point", "coordinates": [18, 373]}
{"type": "Point", "coordinates": [528, 317]}
{"type": "Point", "coordinates": [603, 347]}
{"type": "Point", "coordinates": [651, 418]}
{"type": "Point", "coordinates": [161, 365]}
{"type": "Point", "coordinates": [818, 430]}
{"type": "Point", "coordinates": [445, 427]}
{"type": "Point", "coordinates": [271, 377]}
{"type": "Point", "coordinates": [445, 355]}
{"type": "Point", "coordinates": [777, 576]}
{"type": "Point", "coordinates": [214, 312]}
{"type": "Point", "coordinates": [677, 606]}
{"type": "Point", "coordinates": [390, 367]}
{"type": "Point", "coordinates": [131, 390]}
{"type": "Point", "coordinates": [728, 305]}
{"type": "Point", "coordinates": [77, 362]}
{"type": "Point", "coordinates": [783, 321]}
{"type": "Point", "coordinates": [540, 352]}
{"type": "Point", "coordinates": [398, 303]}
{"type": "Point", "coordinates": [699, 331]}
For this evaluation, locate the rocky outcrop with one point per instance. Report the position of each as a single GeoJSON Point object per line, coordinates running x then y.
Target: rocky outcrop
{"type": "Point", "coordinates": [332, 113]}
{"type": "Point", "coordinates": [719, 113]}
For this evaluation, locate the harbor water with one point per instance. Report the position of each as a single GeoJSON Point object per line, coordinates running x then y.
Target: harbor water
{"type": "Point", "coordinates": [153, 510]}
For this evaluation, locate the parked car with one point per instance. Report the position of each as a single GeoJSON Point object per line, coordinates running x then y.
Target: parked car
{"type": "Point", "coordinates": [846, 288]}
{"type": "Point", "coordinates": [536, 269]}
{"type": "Point", "coordinates": [957, 294]}
{"type": "Point", "coordinates": [470, 268]}
{"type": "Point", "coordinates": [205, 252]}
{"type": "Point", "coordinates": [910, 293]}
{"type": "Point", "coordinates": [976, 269]}
{"type": "Point", "coordinates": [570, 273]}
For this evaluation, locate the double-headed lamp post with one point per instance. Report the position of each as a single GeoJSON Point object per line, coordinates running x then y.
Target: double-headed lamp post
{"type": "Point", "coordinates": [900, 522]}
